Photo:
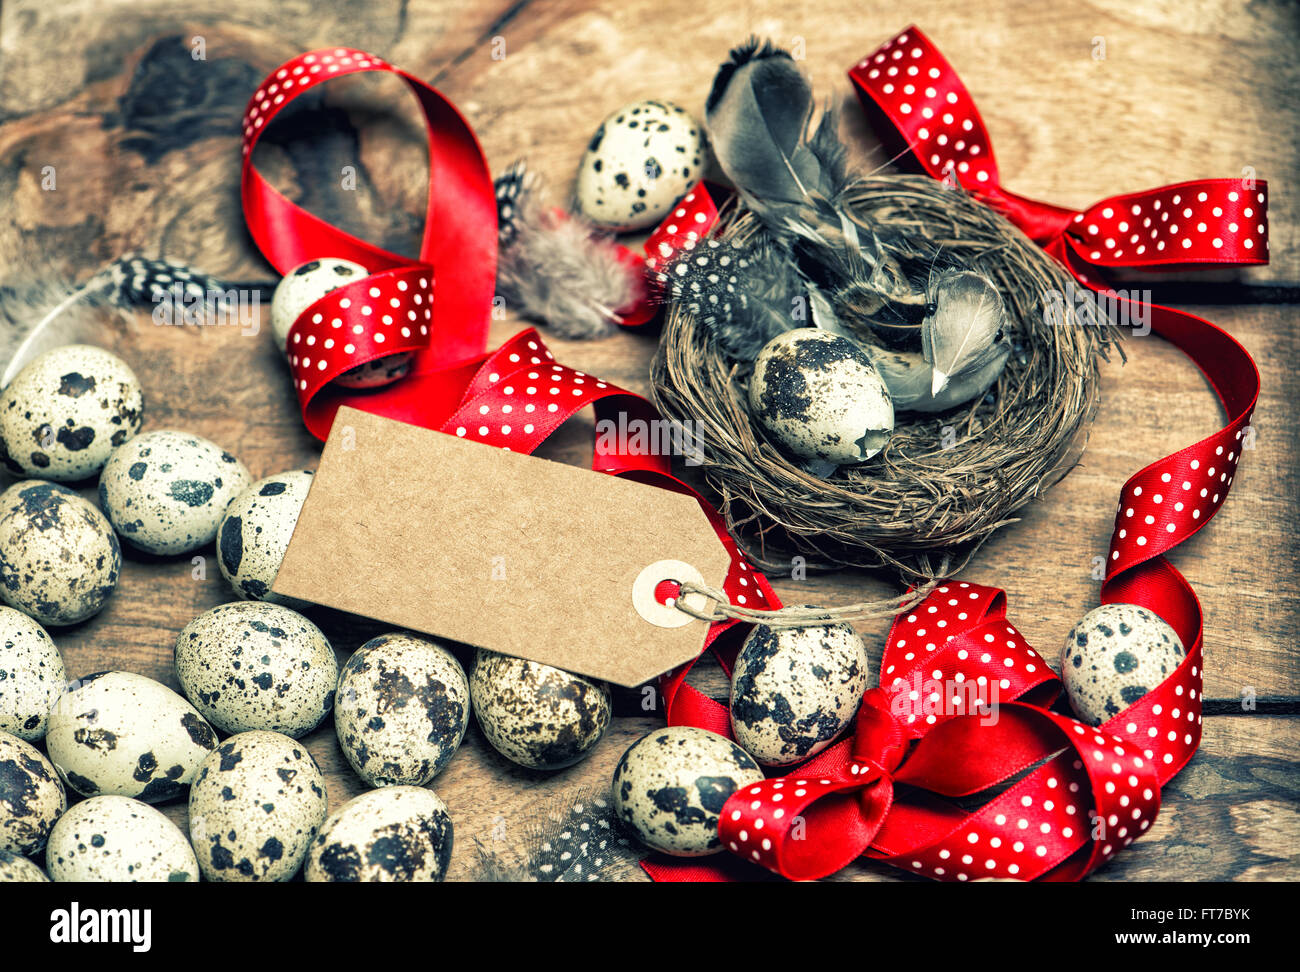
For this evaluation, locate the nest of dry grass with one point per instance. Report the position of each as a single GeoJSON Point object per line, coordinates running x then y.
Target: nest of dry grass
{"type": "Point", "coordinates": [945, 482]}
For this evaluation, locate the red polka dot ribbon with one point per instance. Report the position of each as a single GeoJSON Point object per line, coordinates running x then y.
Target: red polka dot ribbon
{"type": "Point", "coordinates": [934, 724]}
{"type": "Point", "coordinates": [437, 307]}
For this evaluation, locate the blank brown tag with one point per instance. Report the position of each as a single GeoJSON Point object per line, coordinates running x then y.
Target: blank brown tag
{"type": "Point", "coordinates": [497, 549]}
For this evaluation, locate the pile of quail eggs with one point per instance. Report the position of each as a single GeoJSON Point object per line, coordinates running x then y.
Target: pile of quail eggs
{"type": "Point", "coordinates": [256, 675]}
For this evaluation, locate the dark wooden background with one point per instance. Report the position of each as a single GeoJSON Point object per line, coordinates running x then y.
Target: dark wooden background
{"type": "Point", "coordinates": [144, 140]}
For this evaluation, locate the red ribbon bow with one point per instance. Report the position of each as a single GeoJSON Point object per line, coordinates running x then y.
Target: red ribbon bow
{"type": "Point", "coordinates": [514, 397]}
{"type": "Point", "coordinates": [1101, 789]}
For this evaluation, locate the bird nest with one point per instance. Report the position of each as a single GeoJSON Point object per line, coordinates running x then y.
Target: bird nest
{"type": "Point", "coordinates": [944, 482]}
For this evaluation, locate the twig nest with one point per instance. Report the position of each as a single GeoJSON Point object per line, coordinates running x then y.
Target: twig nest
{"type": "Point", "coordinates": [642, 159]}
{"type": "Point", "coordinates": [820, 396]}
{"type": "Point", "coordinates": [398, 833]}
{"type": "Point", "coordinates": [536, 715]}
{"type": "Point", "coordinates": [794, 690]}
{"type": "Point", "coordinates": [1114, 656]}
{"type": "Point", "coordinates": [115, 838]}
{"type": "Point", "coordinates": [256, 805]}
{"type": "Point", "coordinates": [303, 286]}
{"type": "Point", "coordinates": [402, 709]}
{"type": "Point", "coordinates": [31, 799]}
{"type": "Point", "coordinates": [671, 784]}
{"type": "Point", "coordinates": [118, 733]}
{"type": "Point", "coordinates": [66, 411]}
{"type": "Point", "coordinates": [32, 676]}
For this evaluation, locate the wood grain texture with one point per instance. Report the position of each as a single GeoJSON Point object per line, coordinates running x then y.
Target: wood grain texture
{"type": "Point", "coordinates": [144, 141]}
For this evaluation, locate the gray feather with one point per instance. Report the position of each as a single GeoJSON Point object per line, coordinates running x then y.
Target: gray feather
{"type": "Point", "coordinates": [968, 323]}
{"type": "Point", "coordinates": [556, 269]}
{"type": "Point", "coordinates": [910, 379]}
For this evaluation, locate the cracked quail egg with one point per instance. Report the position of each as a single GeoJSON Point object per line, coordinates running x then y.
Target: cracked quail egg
{"type": "Point", "coordinates": [253, 665]}
{"type": "Point", "coordinates": [303, 286]}
{"type": "Point", "coordinates": [1114, 656]}
{"type": "Point", "coordinates": [255, 532]}
{"type": "Point", "coordinates": [123, 734]}
{"type": "Point", "coordinates": [59, 557]}
{"type": "Point", "coordinates": [31, 796]}
{"type": "Point", "coordinates": [165, 491]}
{"type": "Point", "coordinates": [397, 833]}
{"type": "Point", "coordinates": [116, 838]}
{"type": "Point", "coordinates": [538, 716]}
{"type": "Point", "coordinates": [32, 675]}
{"type": "Point", "coordinates": [642, 159]}
{"type": "Point", "coordinates": [671, 784]}
{"type": "Point", "coordinates": [793, 690]}
{"type": "Point", "coordinates": [256, 804]}
{"type": "Point", "coordinates": [821, 397]}
{"type": "Point", "coordinates": [401, 710]}
{"type": "Point", "coordinates": [16, 869]}
{"type": "Point", "coordinates": [66, 411]}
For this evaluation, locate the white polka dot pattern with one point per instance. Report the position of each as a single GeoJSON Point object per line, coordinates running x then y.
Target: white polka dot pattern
{"type": "Point", "coordinates": [1206, 221]}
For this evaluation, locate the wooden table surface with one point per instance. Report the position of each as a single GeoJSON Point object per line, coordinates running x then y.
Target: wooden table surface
{"type": "Point", "coordinates": [144, 139]}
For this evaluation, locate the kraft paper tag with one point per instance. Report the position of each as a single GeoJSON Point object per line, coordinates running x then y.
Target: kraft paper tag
{"type": "Point", "coordinates": [500, 550]}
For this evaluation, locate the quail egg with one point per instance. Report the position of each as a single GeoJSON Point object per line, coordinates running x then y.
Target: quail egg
{"type": "Point", "coordinates": [253, 665]}
{"type": "Point", "coordinates": [256, 804]}
{"type": "Point", "coordinates": [397, 833]}
{"type": "Point", "coordinates": [115, 838]}
{"type": "Point", "coordinates": [165, 491]}
{"type": "Point", "coordinates": [16, 869]}
{"type": "Point", "coordinates": [402, 709]}
{"type": "Point", "coordinates": [793, 690]}
{"type": "Point", "coordinates": [59, 558]}
{"type": "Point", "coordinates": [538, 716]}
{"type": "Point", "coordinates": [66, 411]}
{"type": "Point", "coordinates": [1114, 656]}
{"type": "Point", "coordinates": [303, 286]}
{"type": "Point", "coordinates": [642, 159]}
{"type": "Point", "coordinates": [31, 796]}
{"type": "Point", "coordinates": [255, 532]}
{"type": "Point", "coordinates": [32, 675]}
{"type": "Point", "coordinates": [123, 734]}
{"type": "Point", "coordinates": [671, 784]}
{"type": "Point", "coordinates": [820, 396]}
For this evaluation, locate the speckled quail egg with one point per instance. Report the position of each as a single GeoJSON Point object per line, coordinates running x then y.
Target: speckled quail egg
{"type": "Point", "coordinates": [165, 491]}
{"type": "Point", "coordinates": [397, 833]}
{"type": "Point", "coordinates": [255, 533]}
{"type": "Point", "coordinates": [32, 675]}
{"type": "Point", "coordinates": [303, 286]}
{"type": "Point", "coordinates": [1114, 656]}
{"type": "Point", "coordinates": [793, 690]}
{"type": "Point", "coordinates": [820, 396]}
{"type": "Point", "coordinates": [116, 838]}
{"type": "Point", "coordinates": [642, 159]}
{"type": "Point", "coordinates": [59, 557]}
{"type": "Point", "coordinates": [123, 734]}
{"type": "Point", "coordinates": [253, 665]}
{"type": "Point", "coordinates": [671, 784]}
{"type": "Point", "coordinates": [256, 804]}
{"type": "Point", "coordinates": [538, 716]}
{"type": "Point", "coordinates": [66, 411]}
{"type": "Point", "coordinates": [31, 796]}
{"type": "Point", "coordinates": [16, 869]}
{"type": "Point", "coordinates": [402, 708]}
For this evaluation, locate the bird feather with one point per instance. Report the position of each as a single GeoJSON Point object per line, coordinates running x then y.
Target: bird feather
{"type": "Point", "coordinates": [969, 318]}
{"type": "Point", "coordinates": [555, 268]}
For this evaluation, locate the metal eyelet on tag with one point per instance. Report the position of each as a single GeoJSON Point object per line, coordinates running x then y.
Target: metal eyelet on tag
{"type": "Point", "coordinates": [666, 615]}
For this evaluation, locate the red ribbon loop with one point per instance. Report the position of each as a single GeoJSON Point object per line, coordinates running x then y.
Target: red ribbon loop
{"type": "Point", "coordinates": [928, 113]}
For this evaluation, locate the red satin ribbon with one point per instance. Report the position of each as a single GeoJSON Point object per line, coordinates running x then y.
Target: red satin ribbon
{"type": "Point", "coordinates": [1099, 788]}
{"type": "Point", "coordinates": [437, 307]}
